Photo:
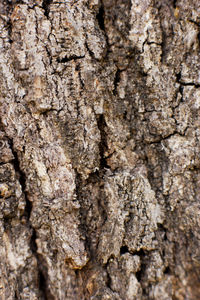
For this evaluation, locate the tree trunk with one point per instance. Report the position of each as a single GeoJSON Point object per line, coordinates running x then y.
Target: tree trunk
{"type": "Point", "coordinates": [99, 153]}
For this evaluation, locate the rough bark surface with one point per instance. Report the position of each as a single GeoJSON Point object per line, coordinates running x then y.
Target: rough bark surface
{"type": "Point", "coordinates": [99, 150]}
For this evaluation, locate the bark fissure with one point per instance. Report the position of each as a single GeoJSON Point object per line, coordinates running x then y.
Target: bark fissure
{"type": "Point", "coordinates": [116, 81]}
{"type": "Point", "coordinates": [83, 213]}
{"type": "Point", "coordinates": [101, 21]}
{"type": "Point", "coordinates": [100, 17]}
{"type": "Point", "coordinates": [89, 50]}
{"type": "Point", "coordinates": [67, 59]}
{"type": "Point", "coordinates": [42, 285]}
{"type": "Point", "coordinates": [101, 123]}
{"type": "Point", "coordinates": [46, 6]}
{"type": "Point", "coordinates": [22, 181]}
{"type": "Point", "coordinates": [99, 155]}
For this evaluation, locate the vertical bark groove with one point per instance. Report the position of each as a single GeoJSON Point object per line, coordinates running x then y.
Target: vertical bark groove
{"type": "Point", "coordinates": [99, 150]}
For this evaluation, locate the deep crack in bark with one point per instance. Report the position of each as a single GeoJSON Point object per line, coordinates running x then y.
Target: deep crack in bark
{"type": "Point", "coordinates": [101, 123]}
{"type": "Point", "coordinates": [116, 81]}
{"type": "Point", "coordinates": [46, 6]}
{"type": "Point", "coordinates": [66, 59]}
{"type": "Point", "coordinates": [43, 287]}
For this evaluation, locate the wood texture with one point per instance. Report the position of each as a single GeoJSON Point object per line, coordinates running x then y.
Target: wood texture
{"type": "Point", "coordinates": [99, 150]}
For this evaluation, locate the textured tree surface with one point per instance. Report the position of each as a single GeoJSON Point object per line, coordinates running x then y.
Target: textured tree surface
{"type": "Point", "coordinates": [99, 150]}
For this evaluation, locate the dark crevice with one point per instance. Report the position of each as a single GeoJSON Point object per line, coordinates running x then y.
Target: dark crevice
{"type": "Point", "coordinates": [109, 281]}
{"type": "Point", "coordinates": [9, 28]}
{"type": "Point", "coordinates": [43, 283]}
{"type": "Point", "coordinates": [198, 37]}
{"type": "Point", "coordinates": [27, 213]}
{"type": "Point", "coordinates": [139, 275]}
{"type": "Point", "coordinates": [161, 139]}
{"type": "Point", "coordinates": [163, 46]}
{"type": "Point", "coordinates": [154, 43]}
{"type": "Point", "coordinates": [195, 22]}
{"type": "Point", "coordinates": [43, 286]}
{"type": "Point", "coordinates": [22, 181]}
{"type": "Point", "coordinates": [81, 81]}
{"type": "Point", "coordinates": [180, 90]}
{"type": "Point", "coordinates": [178, 77]}
{"type": "Point", "coordinates": [48, 54]}
{"type": "Point", "coordinates": [174, 3]}
{"type": "Point", "coordinates": [116, 81]}
{"type": "Point", "coordinates": [123, 250]}
{"type": "Point", "coordinates": [33, 244]}
{"type": "Point", "coordinates": [140, 253]}
{"type": "Point", "coordinates": [66, 59]}
{"type": "Point", "coordinates": [78, 69]}
{"type": "Point", "coordinates": [16, 296]}
{"type": "Point", "coordinates": [46, 6]}
{"type": "Point", "coordinates": [190, 84]}
{"type": "Point", "coordinates": [162, 229]}
{"type": "Point", "coordinates": [89, 51]}
{"type": "Point", "coordinates": [100, 18]}
{"type": "Point", "coordinates": [83, 213]}
{"type": "Point", "coordinates": [101, 123]}
{"type": "Point", "coordinates": [143, 73]}
{"type": "Point", "coordinates": [164, 37]}
{"type": "Point", "coordinates": [167, 270]}
{"type": "Point", "coordinates": [42, 270]}
{"type": "Point", "coordinates": [84, 227]}
{"type": "Point", "coordinates": [101, 22]}
{"type": "Point", "coordinates": [144, 43]}
{"type": "Point", "coordinates": [6, 222]}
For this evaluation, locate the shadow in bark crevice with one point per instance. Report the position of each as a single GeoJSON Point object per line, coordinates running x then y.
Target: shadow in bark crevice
{"type": "Point", "coordinates": [100, 18]}
{"type": "Point", "coordinates": [43, 283]}
{"type": "Point", "coordinates": [42, 270]}
{"type": "Point", "coordinates": [101, 123]}
{"type": "Point", "coordinates": [46, 6]}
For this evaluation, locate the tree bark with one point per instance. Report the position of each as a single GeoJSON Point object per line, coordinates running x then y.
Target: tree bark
{"type": "Point", "coordinates": [99, 150]}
